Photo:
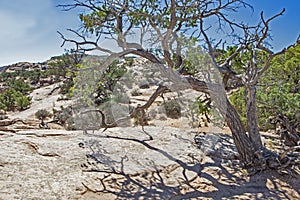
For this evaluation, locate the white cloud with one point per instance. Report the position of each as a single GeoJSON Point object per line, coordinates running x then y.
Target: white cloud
{"type": "Point", "coordinates": [28, 30]}
{"type": "Point", "coordinates": [13, 27]}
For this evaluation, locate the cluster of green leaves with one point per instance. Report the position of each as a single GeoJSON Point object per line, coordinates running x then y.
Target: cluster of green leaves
{"type": "Point", "coordinates": [107, 82]}
{"type": "Point", "coordinates": [65, 117]}
{"type": "Point", "coordinates": [94, 21]}
{"type": "Point", "coordinates": [64, 65]}
{"type": "Point", "coordinates": [16, 96]}
{"type": "Point", "coordinates": [195, 60]}
{"type": "Point", "coordinates": [199, 111]}
{"type": "Point", "coordinates": [95, 86]}
{"type": "Point", "coordinates": [64, 68]}
{"type": "Point", "coordinates": [278, 91]}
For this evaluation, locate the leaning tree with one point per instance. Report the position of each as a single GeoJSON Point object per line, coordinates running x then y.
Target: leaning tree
{"type": "Point", "coordinates": [137, 27]}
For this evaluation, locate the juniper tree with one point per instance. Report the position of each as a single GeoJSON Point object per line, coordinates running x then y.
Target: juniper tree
{"type": "Point", "coordinates": [166, 32]}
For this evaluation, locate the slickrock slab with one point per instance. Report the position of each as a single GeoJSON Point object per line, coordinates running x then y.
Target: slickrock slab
{"type": "Point", "coordinates": [34, 167]}
{"type": "Point", "coordinates": [123, 163]}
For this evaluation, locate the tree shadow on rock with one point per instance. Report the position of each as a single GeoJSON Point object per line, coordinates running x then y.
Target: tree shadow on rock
{"type": "Point", "coordinates": [215, 177]}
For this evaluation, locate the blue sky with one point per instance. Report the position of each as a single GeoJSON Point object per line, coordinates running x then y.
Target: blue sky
{"type": "Point", "coordinates": [29, 27]}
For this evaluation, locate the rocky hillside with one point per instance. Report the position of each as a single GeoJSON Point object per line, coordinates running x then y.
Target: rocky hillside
{"type": "Point", "coordinates": [35, 74]}
{"type": "Point", "coordinates": [168, 156]}
{"type": "Point", "coordinates": [135, 85]}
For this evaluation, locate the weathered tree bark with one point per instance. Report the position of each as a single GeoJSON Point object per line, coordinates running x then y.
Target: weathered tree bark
{"type": "Point", "coordinates": [251, 115]}
{"type": "Point", "coordinates": [231, 117]}
{"type": "Point", "coordinates": [240, 138]}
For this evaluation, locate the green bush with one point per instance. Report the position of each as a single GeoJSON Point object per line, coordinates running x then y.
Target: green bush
{"type": "Point", "coordinates": [12, 99]}
{"type": "Point", "coordinates": [107, 82]}
{"type": "Point", "coordinates": [65, 117]}
{"type": "Point", "coordinates": [15, 97]}
{"type": "Point", "coordinates": [97, 86]}
{"type": "Point", "coordinates": [22, 102]}
{"type": "Point", "coordinates": [20, 85]}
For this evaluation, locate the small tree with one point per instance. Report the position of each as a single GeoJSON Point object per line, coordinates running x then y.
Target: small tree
{"type": "Point", "coordinates": [22, 102]}
{"type": "Point", "coordinates": [42, 115]}
{"type": "Point", "coordinates": [12, 99]}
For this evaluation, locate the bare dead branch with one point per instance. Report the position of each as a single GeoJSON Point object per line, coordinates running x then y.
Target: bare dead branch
{"type": "Point", "coordinates": [265, 29]}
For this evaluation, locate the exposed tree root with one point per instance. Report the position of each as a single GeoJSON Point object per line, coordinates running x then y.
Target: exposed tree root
{"type": "Point", "coordinates": [36, 149]}
{"type": "Point", "coordinates": [288, 160]}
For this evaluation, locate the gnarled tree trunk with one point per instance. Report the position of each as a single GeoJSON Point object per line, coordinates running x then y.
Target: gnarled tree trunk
{"type": "Point", "coordinates": [251, 114]}
{"type": "Point", "coordinates": [243, 143]}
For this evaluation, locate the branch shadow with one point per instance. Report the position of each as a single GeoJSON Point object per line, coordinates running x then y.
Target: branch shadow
{"type": "Point", "coordinates": [216, 178]}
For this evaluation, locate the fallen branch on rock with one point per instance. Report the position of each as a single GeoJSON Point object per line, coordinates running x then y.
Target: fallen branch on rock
{"type": "Point", "coordinates": [36, 149]}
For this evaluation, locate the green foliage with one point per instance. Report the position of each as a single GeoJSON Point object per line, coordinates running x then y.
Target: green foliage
{"type": "Point", "coordinates": [107, 82]}
{"type": "Point", "coordinates": [33, 76]}
{"type": "Point", "coordinates": [278, 91]}
{"type": "Point", "coordinates": [129, 61]}
{"type": "Point", "coordinates": [7, 99]}
{"type": "Point", "coordinates": [204, 107]}
{"type": "Point", "coordinates": [64, 68]}
{"type": "Point", "coordinates": [239, 102]}
{"type": "Point", "coordinates": [65, 117]}
{"type": "Point", "coordinates": [198, 112]}
{"type": "Point", "coordinates": [12, 99]}
{"type": "Point", "coordinates": [22, 102]}
{"type": "Point", "coordinates": [195, 59]}
{"type": "Point", "coordinates": [96, 86]}
{"type": "Point", "coordinates": [4, 76]}
{"type": "Point", "coordinates": [15, 97]}
{"type": "Point", "coordinates": [20, 85]}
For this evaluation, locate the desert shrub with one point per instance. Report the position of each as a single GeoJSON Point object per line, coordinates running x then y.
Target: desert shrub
{"type": "Point", "coordinates": [129, 61]}
{"type": "Point", "coordinates": [42, 114]}
{"type": "Point", "coordinates": [107, 82]}
{"type": "Point", "coordinates": [20, 85]}
{"type": "Point", "coordinates": [12, 99]}
{"type": "Point", "coordinates": [65, 117]}
{"type": "Point", "coordinates": [136, 92]}
{"type": "Point", "coordinates": [7, 100]}
{"type": "Point", "coordinates": [66, 87]}
{"type": "Point", "coordinates": [22, 102]}
{"type": "Point", "coordinates": [4, 76]}
{"type": "Point", "coordinates": [97, 86]}
{"type": "Point", "coordinates": [144, 84]}
{"type": "Point", "coordinates": [199, 111]}
{"type": "Point", "coordinates": [172, 108]}
{"type": "Point", "coordinates": [33, 76]}
{"type": "Point", "coordinates": [15, 97]}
